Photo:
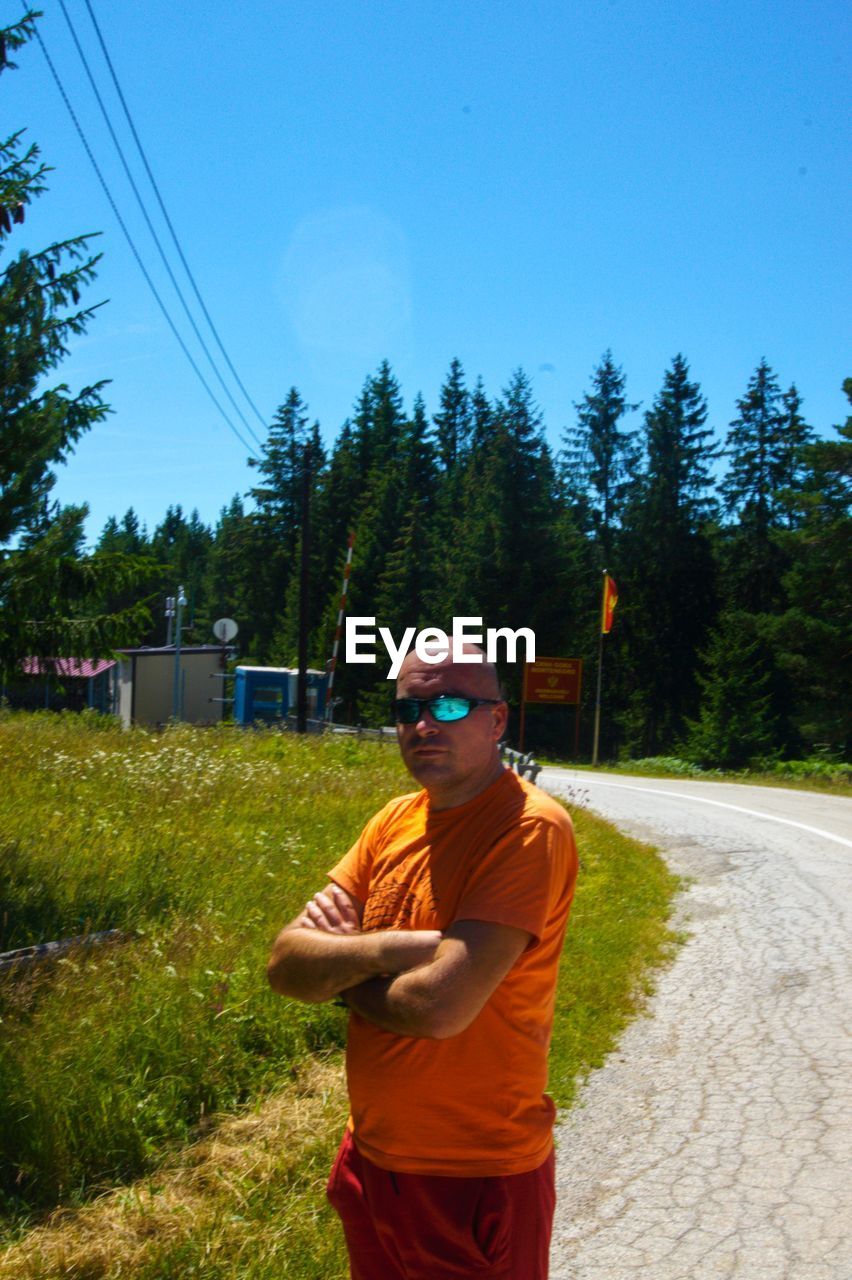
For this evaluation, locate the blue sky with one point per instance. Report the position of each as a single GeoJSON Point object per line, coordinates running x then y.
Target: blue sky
{"type": "Point", "coordinates": [509, 184]}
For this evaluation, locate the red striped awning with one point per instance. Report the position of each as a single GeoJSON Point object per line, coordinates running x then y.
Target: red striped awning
{"type": "Point", "coordinates": [70, 668]}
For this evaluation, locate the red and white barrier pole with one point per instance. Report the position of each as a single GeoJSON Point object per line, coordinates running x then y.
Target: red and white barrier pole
{"type": "Point", "coordinates": [347, 569]}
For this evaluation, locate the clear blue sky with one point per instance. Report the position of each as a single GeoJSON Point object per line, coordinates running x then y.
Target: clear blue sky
{"type": "Point", "coordinates": [512, 184]}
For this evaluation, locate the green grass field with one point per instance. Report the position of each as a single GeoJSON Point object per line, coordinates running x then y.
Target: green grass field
{"type": "Point", "coordinates": [162, 1114]}
{"type": "Point", "coordinates": [832, 777]}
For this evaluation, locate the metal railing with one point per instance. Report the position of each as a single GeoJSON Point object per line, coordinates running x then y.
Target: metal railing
{"type": "Point", "coordinates": [42, 952]}
{"type": "Point", "coordinates": [524, 765]}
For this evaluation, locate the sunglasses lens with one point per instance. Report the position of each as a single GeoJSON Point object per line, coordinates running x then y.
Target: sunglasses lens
{"type": "Point", "coordinates": [409, 710]}
{"type": "Point", "coordinates": [450, 708]}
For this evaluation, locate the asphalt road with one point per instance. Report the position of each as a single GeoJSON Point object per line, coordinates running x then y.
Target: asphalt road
{"type": "Point", "coordinates": [716, 1141]}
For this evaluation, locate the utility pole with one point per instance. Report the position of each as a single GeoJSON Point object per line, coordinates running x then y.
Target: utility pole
{"type": "Point", "coordinates": [304, 583]}
{"type": "Point", "coordinates": [177, 708]}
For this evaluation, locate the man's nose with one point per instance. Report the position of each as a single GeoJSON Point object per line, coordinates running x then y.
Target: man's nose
{"type": "Point", "coordinates": [426, 722]}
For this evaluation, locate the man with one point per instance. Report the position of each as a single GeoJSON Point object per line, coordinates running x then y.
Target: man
{"type": "Point", "coordinates": [441, 931]}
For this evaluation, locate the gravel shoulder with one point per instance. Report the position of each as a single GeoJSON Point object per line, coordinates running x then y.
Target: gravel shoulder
{"type": "Point", "coordinates": [716, 1141]}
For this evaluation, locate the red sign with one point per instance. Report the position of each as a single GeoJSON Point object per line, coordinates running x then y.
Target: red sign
{"type": "Point", "coordinates": [554, 680]}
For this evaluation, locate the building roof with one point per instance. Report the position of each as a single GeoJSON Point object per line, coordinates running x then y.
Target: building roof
{"type": "Point", "coordinates": [282, 671]}
{"type": "Point", "coordinates": [157, 651]}
{"type": "Point", "coordinates": [70, 668]}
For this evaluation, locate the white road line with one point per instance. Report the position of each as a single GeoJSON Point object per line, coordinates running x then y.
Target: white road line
{"type": "Point", "coordinates": [720, 804]}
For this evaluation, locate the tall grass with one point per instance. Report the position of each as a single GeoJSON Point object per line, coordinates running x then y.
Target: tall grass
{"type": "Point", "coordinates": [200, 843]}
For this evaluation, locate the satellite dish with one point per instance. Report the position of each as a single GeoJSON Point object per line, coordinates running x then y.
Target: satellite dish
{"type": "Point", "coordinates": [225, 629]}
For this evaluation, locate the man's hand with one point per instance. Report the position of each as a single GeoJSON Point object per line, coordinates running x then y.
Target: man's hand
{"type": "Point", "coordinates": [331, 911]}
{"type": "Point", "coordinates": [323, 950]}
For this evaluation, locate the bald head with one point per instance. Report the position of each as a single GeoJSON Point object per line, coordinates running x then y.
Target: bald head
{"type": "Point", "coordinates": [475, 679]}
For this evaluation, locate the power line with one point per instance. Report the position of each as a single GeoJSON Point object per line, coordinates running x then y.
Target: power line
{"type": "Point", "coordinates": [150, 225]}
{"type": "Point", "coordinates": [129, 238]}
{"type": "Point", "coordinates": [177, 245]}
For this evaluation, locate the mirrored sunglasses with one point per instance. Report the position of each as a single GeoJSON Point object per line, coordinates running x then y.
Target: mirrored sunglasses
{"type": "Point", "coordinates": [443, 709]}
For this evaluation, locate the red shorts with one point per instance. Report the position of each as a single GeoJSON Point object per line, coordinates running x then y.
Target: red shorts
{"type": "Point", "coordinates": [409, 1226]}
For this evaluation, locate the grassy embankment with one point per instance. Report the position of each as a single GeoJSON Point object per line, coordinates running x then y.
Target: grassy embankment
{"type": "Point", "coordinates": [114, 1064]}
{"type": "Point", "coordinates": [831, 777]}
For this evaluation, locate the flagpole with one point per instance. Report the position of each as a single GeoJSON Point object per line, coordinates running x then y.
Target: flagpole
{"type": "Point", "coordinates": [523, 706]}
{"type": "Point", "coordinates": [600, 674]}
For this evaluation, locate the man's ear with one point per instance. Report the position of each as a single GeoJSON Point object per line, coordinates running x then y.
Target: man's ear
{"type": "Point", "coordinates": [501, 719]}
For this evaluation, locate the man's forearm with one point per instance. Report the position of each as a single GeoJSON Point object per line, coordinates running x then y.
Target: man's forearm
{"type": "Point", "coordinates": [441, 999]}
{"type": "Point", "coordinates": [399, 1003]}
{"type": "Point", "coordinates": [425, 1002]}
{"type": "Point", "coordinates": [312, 965]}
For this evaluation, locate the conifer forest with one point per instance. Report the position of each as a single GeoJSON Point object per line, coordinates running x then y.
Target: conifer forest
{"type": "Point", "coordinates": [731, 552]}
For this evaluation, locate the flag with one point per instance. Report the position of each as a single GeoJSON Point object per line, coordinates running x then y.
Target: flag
{"type": "Point", "coordinates": [610, 600]}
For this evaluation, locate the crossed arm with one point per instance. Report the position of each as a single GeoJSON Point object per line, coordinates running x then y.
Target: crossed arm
{"type": "Point", "coordinates": [411, 982]}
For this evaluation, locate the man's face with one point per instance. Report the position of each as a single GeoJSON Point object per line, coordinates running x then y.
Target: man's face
{"type": "Point", "coordinates": [451, 758]}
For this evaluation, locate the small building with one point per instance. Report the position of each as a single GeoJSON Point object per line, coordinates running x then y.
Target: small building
{"type": "Point", "coordinates": [66, 684]}
{"type": "Point", "coordinates": [269, 694]}
{"type": "Point", "coordinates": [146, 684]}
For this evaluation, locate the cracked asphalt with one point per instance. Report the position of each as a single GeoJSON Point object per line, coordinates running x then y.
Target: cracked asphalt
{"type": "Point", "coordinates": [716, 1141]}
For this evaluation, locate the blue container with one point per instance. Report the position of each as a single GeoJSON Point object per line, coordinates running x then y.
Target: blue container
{"type": "Point", "coordinates": [268, 694]}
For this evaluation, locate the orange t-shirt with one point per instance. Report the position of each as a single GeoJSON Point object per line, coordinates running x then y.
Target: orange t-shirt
{"type": "Point", "coordinates": [472, 1105]}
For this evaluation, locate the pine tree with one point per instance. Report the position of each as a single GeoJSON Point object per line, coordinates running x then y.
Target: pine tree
{"type": "Point", "coordinates": [381, 484]}
{"type": "Point", "coordinates": [736, 726]}
{"type": "Point", "coordinates": [388, 416]}
{"type": "Point", "coordinates": [379, 501]}
{"type": "Point", "coordinates": [453, 422]}
{"type": "Point", "coordinates": [757, 450]}
{"type": "Point", "coordinates": [128, 536]}
{"type": "Point", "coordinates": [182, 547]}
{"type": "Point", "coordinates": [503, 548]}
{"type": "Point", "coordinates": [482, 414]}
{"type": "Point", "coordinates": [40, 426]}
{"type": "Point", "coordinates": [285, 648]}
{"type": "Point", "coordinates": [665, 570]}
{"type": "Point", "coordinates": [599, 461]}
{"type": "Point", "coordinates": [454, 427]}
{"type": "Point", "coordinates": [289, 447]}
{"type": "Point", "coordinates": [376, 427]}
{"type": "Point", "coordinates": [48, 589]}
{"type": "Point", "coordinates": [278, 497]}
{"type": "Point", "coordinates": [169, 534]}
{"type": "Point", "coordinates": [765, 446]}
{"type": "Point", "coordinates": [229, 572]}
{"type": "Point", "coordinates": [791, 470]}
{"type": "Point", "coordinates": [400, 598]}
{"type": "Point", "coordinates": [811, 636]}
{"type": "Point", "coordinates": [405, 585]}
